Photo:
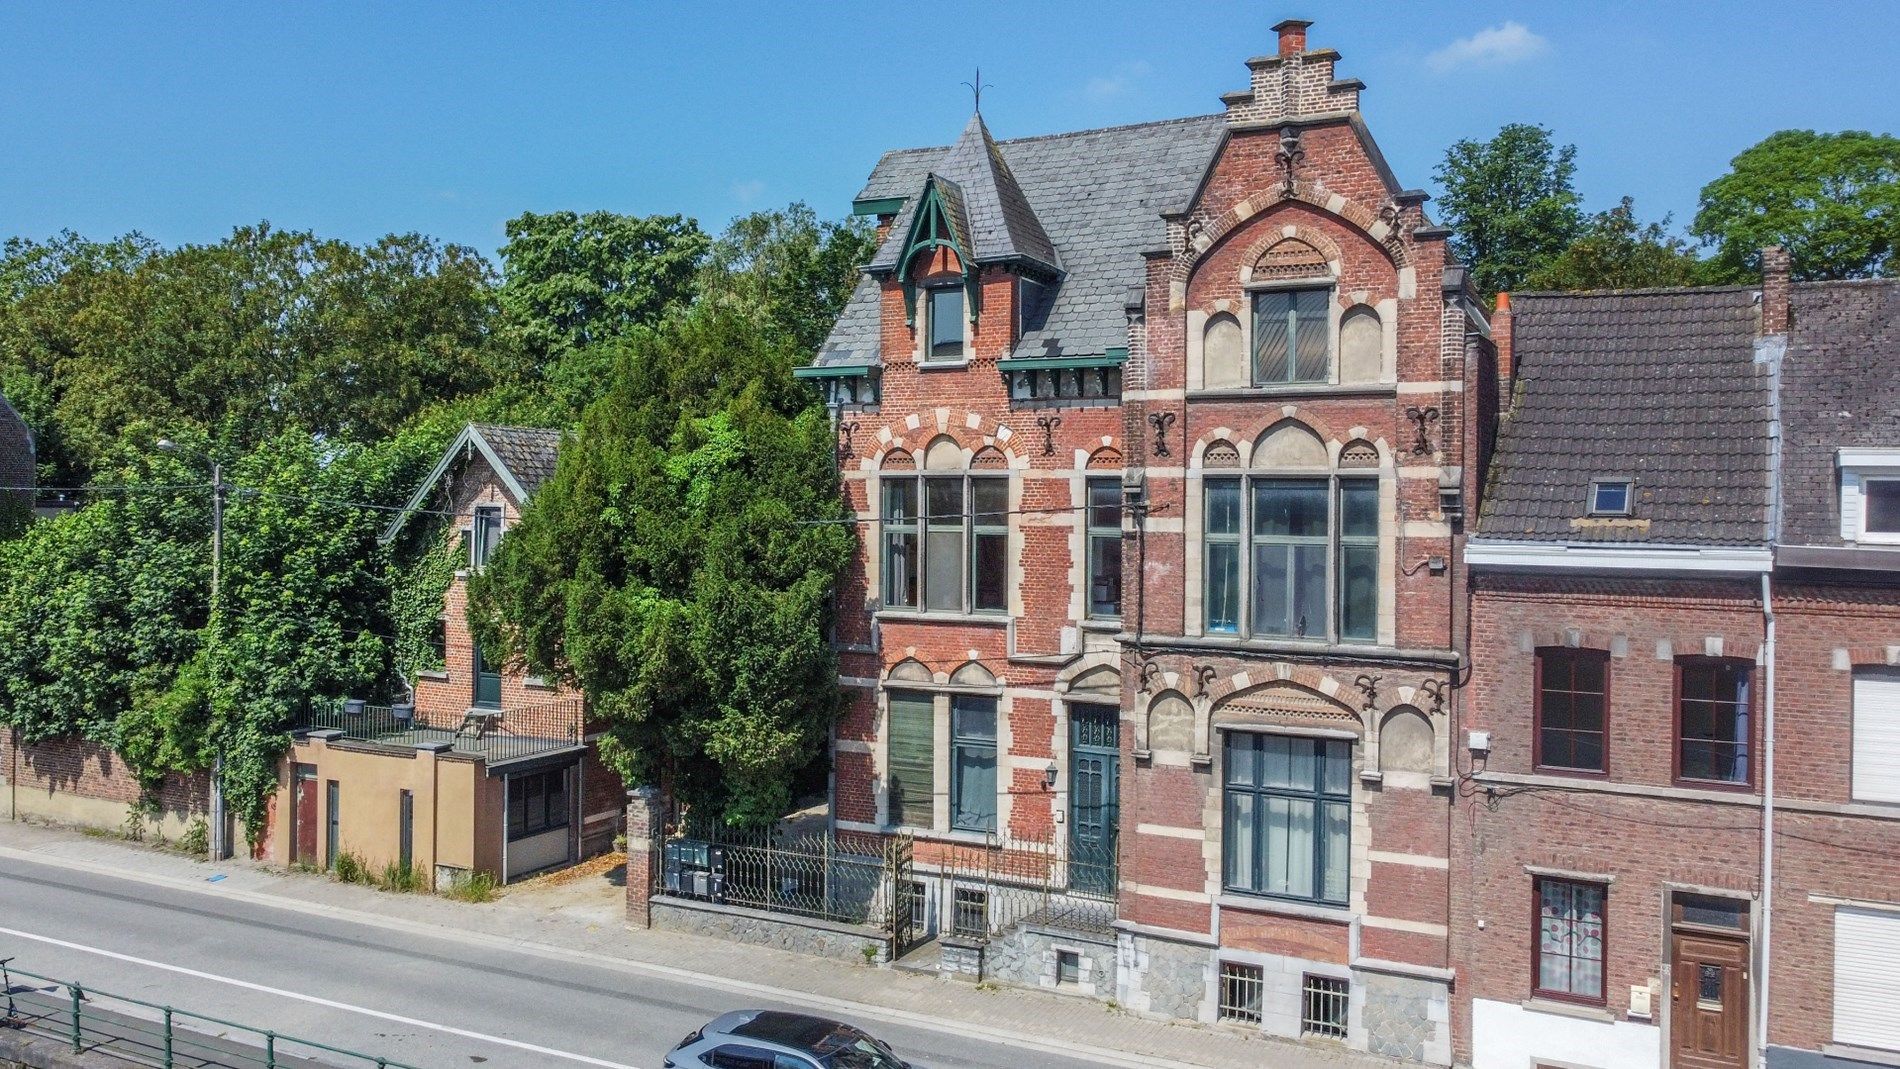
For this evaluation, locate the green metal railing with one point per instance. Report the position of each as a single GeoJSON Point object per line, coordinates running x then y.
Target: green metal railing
{"type": "Point", "coordinates": [147, 1033]}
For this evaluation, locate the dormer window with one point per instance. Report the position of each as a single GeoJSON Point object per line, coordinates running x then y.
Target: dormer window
{"type": "Point", "coordinates": [1870, 495]}
{"type": "Point", "coordinates": [1610, 497]}
{"type": "Point", "coordinates": [945, 315]}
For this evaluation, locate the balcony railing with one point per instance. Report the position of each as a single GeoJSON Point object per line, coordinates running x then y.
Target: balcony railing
{"type": "Point", "coordinates": [494, 735]}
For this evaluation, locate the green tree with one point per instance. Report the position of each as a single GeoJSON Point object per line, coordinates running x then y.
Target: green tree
{"type": "Point", "coordinates": [265, 331]}
{"type": "Point", "coordinates": [1510, 203]}
{"type": "Point", "coordinates": [574, 284]}
{"type": "Point", "coordinates": [679, 565]}
{"type": "Point", "coordinates": [1617, 252]}
{"type": "Point", "coordinates": [790, 268]}
{"type": "Point", "coordinates": [1833, 200]}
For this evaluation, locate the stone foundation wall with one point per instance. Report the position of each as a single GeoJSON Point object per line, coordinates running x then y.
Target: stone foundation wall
{"type": "Point", "coordinates": [1029, 956]}
{"type": "Point", "coordinates": [1164, 978]}
{"type": "Point", "coordinates": [780, 931]}
{"type": "Point", "coordinates": [1406, 1017]}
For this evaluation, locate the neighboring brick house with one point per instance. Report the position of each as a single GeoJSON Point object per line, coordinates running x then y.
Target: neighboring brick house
{"type": "Point", "coordinates": [1159, 439]}
{"type": "Point", "coordinates": [503, 760]}
{"type": "Point", "coordinates": [1649, 614]}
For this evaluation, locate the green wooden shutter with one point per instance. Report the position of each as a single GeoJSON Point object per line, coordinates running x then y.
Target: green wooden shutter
{"type": "Point", "coordinates": [912, 761]}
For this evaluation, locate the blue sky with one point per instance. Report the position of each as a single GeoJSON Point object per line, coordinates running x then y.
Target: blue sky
{"type": "Point", "coordinates": [359, 119]}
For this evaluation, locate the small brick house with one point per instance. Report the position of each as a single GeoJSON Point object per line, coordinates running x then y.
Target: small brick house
{"type": "Point", "coordinates": [1683, 557]}
{"type": "Point", "coordinates": [1159, 436]}
{"type": "Point", "coordinates": [486, 768]}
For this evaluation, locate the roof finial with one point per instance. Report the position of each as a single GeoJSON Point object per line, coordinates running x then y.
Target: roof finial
{"type": "Point", "coordinates": [976, 89]}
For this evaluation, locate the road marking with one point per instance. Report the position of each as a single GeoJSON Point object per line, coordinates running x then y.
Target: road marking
{"type": "Point", "coordinates": [330, 1003]}
{"type": "Point", "coordinates": [960, 1029]}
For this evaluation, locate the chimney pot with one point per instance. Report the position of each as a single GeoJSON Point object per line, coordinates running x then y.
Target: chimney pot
{"type": "Point", "coordinates": [1774, 290]}
{"type": "Point", "coordinates": [1292, 36]}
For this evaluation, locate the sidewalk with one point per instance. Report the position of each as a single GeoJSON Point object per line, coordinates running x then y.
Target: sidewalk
{"type": "Point", "coordinates": [569, 923]}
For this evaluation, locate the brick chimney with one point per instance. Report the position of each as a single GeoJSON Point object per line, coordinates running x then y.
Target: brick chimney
{"type": "Point", "coordinates": [1292, 36]}
{"type": "Point", "coordinates": [1501, 337]}
{"type": "Point", "coordinates": [1774, 290]}
{"type": "Point", "coordinates": [1293, 84]}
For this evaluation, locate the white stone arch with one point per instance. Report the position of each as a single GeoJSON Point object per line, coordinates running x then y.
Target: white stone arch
{"type": "Point", "coordinates": [1289, 444]}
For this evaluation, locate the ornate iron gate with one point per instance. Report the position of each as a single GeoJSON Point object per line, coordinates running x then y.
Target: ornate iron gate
{"type": "Point", "coordinates": [903, 892]}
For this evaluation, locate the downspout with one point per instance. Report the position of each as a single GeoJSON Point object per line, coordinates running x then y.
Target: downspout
{"type": "Point", "coordinates": [1767, 809]}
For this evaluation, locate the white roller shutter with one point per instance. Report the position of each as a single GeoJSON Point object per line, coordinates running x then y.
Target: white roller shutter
{"type": "Point", "coordinates": [1877, 735]}
{"type": "Point", "coordinates": [1866, 984]}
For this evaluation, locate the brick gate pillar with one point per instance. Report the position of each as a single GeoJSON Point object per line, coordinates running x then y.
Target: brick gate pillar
{"type": "Point", "coordinates": [645, 827]}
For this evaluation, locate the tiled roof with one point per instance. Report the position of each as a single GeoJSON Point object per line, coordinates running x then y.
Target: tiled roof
{"type": "Point", "coordinates": [527, 452]}
{"type": "Point", "coordinates": [1840, 386]}
{"type": "Point", "coordinates": [1095, 195]}
{"type": "Point", "coordinates": [1661, 387]}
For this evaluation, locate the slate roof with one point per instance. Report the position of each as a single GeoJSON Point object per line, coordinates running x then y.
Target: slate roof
{"type": "Point", "coordinates": [1658, 386]}
{"type": "Point", "coordinates": [523, 456]}
{"type": "Point", "coordinates": [527, 452]}
{"type": "Point", "coordinates": [1840, 386]}
{"type": "Point", "coordinates": [1094, 198]}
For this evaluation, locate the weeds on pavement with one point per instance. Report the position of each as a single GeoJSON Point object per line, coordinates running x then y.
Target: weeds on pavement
{"type": "Point", "coordinates": [471, 887]}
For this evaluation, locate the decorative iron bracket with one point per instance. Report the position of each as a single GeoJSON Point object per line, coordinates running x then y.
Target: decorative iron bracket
{"type": "Point", "coordinates": [1290, 154]}
{"type": "Point", "coordinates": [1369, 686]}
{"type": "Point", "coordinates": [1161, 421]}
{"type": "Point", "coordinates": [1421, 416]}
{"type": "Point", "coordinates": [1048, 425]}
{"type": "Point", "coordinates": [845, 430]}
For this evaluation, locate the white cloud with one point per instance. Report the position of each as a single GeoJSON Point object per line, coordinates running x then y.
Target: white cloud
{"type": "Point", "coordinates": [1110, 86]}
{"type": "Point", "coordinates": [748, 191]}
{"type": "Point", "coordinates": [1494, 46]}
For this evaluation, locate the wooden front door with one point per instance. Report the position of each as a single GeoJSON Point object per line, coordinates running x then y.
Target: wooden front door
{"type": "Point", "coordinates": [303, 817]}
{"type": "Point", "coordinates": [1708, 1014]}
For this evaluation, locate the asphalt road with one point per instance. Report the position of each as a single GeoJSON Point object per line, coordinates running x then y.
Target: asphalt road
{"type": "Point", "coordinates": [430, 1001]}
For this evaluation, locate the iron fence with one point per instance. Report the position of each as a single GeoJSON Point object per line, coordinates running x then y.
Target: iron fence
{"type": "Point", "coordinates": [1004, 882]}
{"type": "Point", "coordinates": [837, 876]}
{"type": "Point", "coordinates": [148, 1033]}
{"type": "Point", "coordinates": [497, 735]}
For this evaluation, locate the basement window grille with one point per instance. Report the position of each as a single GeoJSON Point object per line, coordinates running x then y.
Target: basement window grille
{"type": "Point", "coordinates": [1068, 968]}
{"type": "Point", "coordinates": [1323, 1006]}
{"type": "Point", "coordinates": [972, 914]}
{"type": "Point", "coordinates": [1241, 987]}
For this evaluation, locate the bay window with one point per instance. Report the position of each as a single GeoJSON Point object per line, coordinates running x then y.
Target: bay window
{"type": "Point", "coordinates": [954, 557]}
{"type": "Point", "coordinates": [1311, 557]}
{"type": "Point", "coordinates": [1287, 825]}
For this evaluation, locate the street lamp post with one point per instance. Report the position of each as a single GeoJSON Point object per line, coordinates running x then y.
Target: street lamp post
{"type": "Point", "coordinates": [217, 842]}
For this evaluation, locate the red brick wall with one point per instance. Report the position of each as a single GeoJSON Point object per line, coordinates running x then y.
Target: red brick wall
{"type": "Point", "coordinates": [85, 769]}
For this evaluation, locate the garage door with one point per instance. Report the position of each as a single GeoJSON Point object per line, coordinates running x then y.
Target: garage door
{"type": "Point", "coordinates": [1866, 984]}
{"type": "Point", "coordinates": [1877, 735]}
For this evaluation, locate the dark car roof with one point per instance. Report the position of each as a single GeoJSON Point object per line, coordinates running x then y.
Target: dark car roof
{"type": "Point", "coordinates": [796, 1030]}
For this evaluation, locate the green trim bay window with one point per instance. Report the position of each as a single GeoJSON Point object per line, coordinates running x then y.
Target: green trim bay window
{"type": "Point", "coordinates": [957, 558]}
{"type": "Point", "coordinates": [912, 763]}
{"type": "Point", "coordinates": [1105, 548]}
{"type": "Point", "coordinates": [972, 763]}
{"type": "Point", "coordinates": [1287, 823]}
{"type": "Point", "coordinates": [900, 542]}
{"type": "Point", "coordinates": [1310, 563]}
{"type": "Point", "coordinates": [1291, 335]}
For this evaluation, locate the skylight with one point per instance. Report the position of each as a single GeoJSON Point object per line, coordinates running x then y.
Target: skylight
{"type": "Point", "coordinates": [1610, 497]}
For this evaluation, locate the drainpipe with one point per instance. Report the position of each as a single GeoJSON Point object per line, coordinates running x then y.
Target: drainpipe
{"type": "Point", "coordinates": [1767, 808]}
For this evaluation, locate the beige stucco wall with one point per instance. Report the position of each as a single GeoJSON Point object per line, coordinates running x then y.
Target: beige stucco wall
{"type": "Point", "coordinates": [455, 805]}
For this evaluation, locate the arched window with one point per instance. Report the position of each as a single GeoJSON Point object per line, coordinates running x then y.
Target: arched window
{"type": "Point", "coordinates": [946, 535]}
{"type": "Point", "coordinates": [1291, 547]}
{"type": "Point", "coordinates": [1292, 328]}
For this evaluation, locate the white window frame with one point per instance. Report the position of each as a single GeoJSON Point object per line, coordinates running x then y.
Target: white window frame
{"type": "Point", "coordinates": [1629, 496]}
{"type": "Point", "coordinates": [1858, 467]}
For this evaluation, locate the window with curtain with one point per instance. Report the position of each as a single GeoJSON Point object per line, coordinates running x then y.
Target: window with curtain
{"type": "Point", "coordinates": [1569, 941]}
{"type": "Point", "coordinates": [1287, 826]}
{"type": "Point", "coordinates": [946, 324]}
{"type": "Point", "coordinates": [1105, 547]}
{"type": "Point", "coordinates": [1713, 719]}
{"type": "Point", "coordinates": [1292, 335]}
{"type": "Point", "coordinates": [1311, 559]}
{"type": "Point", "coordinates": [910, 777]}
{"type": "Point", "coordinates": [1571, 711]}
{"type": "Point", "coordinates": [955, 557]}
{"type": "Point", "coordinates": [973, 763]}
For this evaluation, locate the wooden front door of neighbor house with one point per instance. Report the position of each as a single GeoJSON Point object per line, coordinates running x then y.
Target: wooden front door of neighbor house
{"type": "Point", "coordinates": [1708, 1015]}
{"type": "Point", "coordinates": [303, 816]}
